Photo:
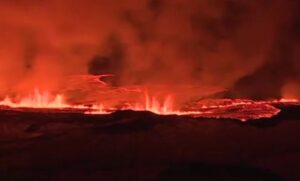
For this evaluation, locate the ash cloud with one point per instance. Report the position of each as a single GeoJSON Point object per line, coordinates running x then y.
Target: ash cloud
{"type": "Point", "coordinates": [247, 47]}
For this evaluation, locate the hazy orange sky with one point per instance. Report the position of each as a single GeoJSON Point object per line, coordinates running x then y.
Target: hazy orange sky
{"type": "Point", "coordinates": [237, 44]}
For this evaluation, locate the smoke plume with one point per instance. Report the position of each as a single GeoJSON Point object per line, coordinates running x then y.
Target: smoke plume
{"type": "Point", "coordinates": [249, 47]}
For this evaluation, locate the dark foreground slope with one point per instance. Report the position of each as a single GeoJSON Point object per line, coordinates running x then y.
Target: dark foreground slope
{"type": "Point", "coordinates": [142, 146]}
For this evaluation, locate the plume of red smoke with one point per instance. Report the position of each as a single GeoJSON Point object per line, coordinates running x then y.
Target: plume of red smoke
{"type": "Point", "coordinates": [241, 45]}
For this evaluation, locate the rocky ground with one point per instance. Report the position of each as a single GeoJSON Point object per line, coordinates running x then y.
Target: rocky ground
{"type": "Point", "coordinates": [127, 145]}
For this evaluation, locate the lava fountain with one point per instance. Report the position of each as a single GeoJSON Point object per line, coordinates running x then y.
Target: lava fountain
{"type": "Point", "coordinates": [240, 109]}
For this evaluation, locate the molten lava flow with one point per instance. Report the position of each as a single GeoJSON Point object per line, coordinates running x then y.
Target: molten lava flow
{"type": "Point", "coordinates": [152, 104]}
{"type": "Point", "coordinates": [165, 107]}
{"type": "Point", "coordinates": [240, 109]}
{"type": "Point", "coordinates": [44, 100]}
{"type": "Point", "coordinates": [36, 100]}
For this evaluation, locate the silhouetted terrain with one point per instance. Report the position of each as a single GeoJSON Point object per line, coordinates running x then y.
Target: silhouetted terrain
{"type": "Point", "coordinates": [131, 145]}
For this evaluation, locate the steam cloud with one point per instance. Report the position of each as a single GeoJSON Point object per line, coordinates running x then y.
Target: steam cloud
{"type": "Point", "coordinates": [247, 46]}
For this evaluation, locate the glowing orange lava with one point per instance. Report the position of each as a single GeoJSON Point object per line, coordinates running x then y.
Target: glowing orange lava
{"type": "Point", "coordinates": [44, 100]}
{"type": "Point", "coordinates": [37, 100]}
{"type": "Point", "coordinates": [152, 104]}
{"type": "Point", "coordinates": [241, 109]}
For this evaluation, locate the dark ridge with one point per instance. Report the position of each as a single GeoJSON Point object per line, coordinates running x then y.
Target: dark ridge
{"type": "Point", "coordinates": [287, 113]}
{"type": "Point", "coordinates": [204, 171]}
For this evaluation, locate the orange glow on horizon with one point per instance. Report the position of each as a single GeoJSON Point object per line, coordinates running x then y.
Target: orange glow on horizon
{"type": "Point", "coordinates": [152, 104]}
{"type": "Point", "coordinates": [37, 100]}
{"type": "Point", "coordinates": [166, 106]}
{"type": "Point", "coordinates": [44, 100]}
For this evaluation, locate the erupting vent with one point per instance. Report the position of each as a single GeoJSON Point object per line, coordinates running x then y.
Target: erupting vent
{"type": "Point", "coordinates": [240, 109]}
